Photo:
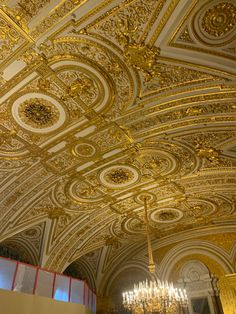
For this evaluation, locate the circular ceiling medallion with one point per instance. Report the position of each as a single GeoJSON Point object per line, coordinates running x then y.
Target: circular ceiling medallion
{"type": "Point", "coordinates": [201, 207]}
{"type": "Point", "coordinates": [93, 86]}
{"type": "Point", "coordinates": [159, 161]}
{"type": "Point", "coordinates": [83, 192]}
{"type": "Point", "coordinates": [84, 85]}
{"type": "Point", "coordinates": [150, 198]}
{"type": "Point", "coordinates": [84, 150]}
{"type": "Point", "coordinates": [119, 176]}
{"type": "Point", "coordinates": [38, 112]}
{"type": "Point", "coordinates": [133, 226]}
{"type": "Point", "coordinates": [166, 215]}
{"type": "Point", "coordinates": [32, 233]}
{"type": "Point", "coordinates": [219, 19]}
{"type": "Point", "coordinates": [215, 23]}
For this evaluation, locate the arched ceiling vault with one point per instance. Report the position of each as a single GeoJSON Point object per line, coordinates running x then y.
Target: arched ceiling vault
{"type": "Point", "coordinates": [104, 102]}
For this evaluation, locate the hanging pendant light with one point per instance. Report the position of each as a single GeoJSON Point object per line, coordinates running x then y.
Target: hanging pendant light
{"type": "Point", "coordinates": [155, 297]}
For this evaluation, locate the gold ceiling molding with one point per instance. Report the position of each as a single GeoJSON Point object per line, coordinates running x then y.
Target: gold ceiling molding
{"type": "Point", "coordinates": [188, 100]}
{"type": "Point", "coordinates": [84, 149]}
{"type": "Point", "coordinates": [14, 41]}
{"type": "Point", "coordinates": [185, 36]}
{"type": "Point", "coordinates": [28, 243]}
{"type": "Point", "coordinates": [10, 38]}
{"type": "Point", "coordinates": [166, 215]}
{"type": "Point", "coordinates": [169, 11]}
{"type": "Point", "coordinates": [82, 192]}
{"type": "Point", "coordinates": [116, 256]}
{"type": "Point", "coordinates": [58, 258]}
{"type": "Point", "coordinates": [15, 190]}
{"type": "Point", "coordinates": [60, 12]}
{"type": "Point", "coordinates": [213, 266]}
{"type": "Point", "coordinates": [161, 252]}
{"type": "Point", "coordinates": [103, 59]}
{"type": "Point", "coordinates": [206, 27]}
{"type": "Point", "coordinates": [224, 240]}
{"type": "Point", "coordinates": [84, 85]}
{"type": "Point", "coordinates": [166, 76]}
{"type": "Point", "coordinates": [24, 11]}
{"type": "Point", "coordinates": [129, 21]}
{"type": "Point", "coordinates": [94, 116]}
{"type": "Point", "coordinates": [227, 287]}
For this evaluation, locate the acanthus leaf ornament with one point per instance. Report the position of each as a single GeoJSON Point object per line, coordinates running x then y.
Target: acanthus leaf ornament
{"type": "Point", "coordinates": [138, 55]}
{"type": "Point", "coordinates": [81, 85]}
{"type": "Point", "coordinates": [7, 137]}
{"type": "Point", "coordinates": [54, 212]}
{"type": "Point", "coordinates": [208, 152]}
{"type": "Point", "coordinates": [142, 58]}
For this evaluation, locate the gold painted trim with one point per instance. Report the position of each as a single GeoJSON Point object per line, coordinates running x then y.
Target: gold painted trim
{"type": "Point", "coordinates": [163, 21]}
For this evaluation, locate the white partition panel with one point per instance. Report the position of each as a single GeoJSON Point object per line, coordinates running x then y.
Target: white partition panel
{"type": "Point", "coordinates": [77, 291]}
{"type": "Point", "coordinates": [61, 288]}
{"type": "Point", "coordinates": [86, 295]}
{"type": "Point", "coordinates": [25, 278]}
{"type": "Point", "coordinates": [90, 299]}
{"type": "Point", "coordinates": [94, 303]}
{"type": "Point", "coordinates": [44, 283]}
{"type": "Point", "coordinates": [7, 272]}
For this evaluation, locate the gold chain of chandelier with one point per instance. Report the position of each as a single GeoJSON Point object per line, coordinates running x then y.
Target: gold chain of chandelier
{"type": "Point", "coordinates": [151, 264]}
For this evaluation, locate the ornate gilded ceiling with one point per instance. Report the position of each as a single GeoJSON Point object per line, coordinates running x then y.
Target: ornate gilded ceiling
{"type": "Point", "coordinates": [105, 102]}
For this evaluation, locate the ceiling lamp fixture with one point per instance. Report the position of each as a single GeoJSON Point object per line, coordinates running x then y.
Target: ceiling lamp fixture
{"type": "Point", "coordinates": [154, 296]}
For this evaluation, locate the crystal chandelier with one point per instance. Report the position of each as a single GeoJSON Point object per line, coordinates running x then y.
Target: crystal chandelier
{"type": "Point", "coordinates": [154, 296]}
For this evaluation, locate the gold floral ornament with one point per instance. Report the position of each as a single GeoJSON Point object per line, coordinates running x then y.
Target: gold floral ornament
{"type": "Point", "coordinates": [9, 39]}
{"type": "Point", "coordinates": [143, 58]}
{"type": "Point", "coordinates": [119, 176]}
{"type": "Point", "coordinates": [207, 152]}
{"type": "Point", "coordinates": [136, 53]}
{"type": "Point", "coordinates": [153, 163]}
{"type": "Point", "coordinates": [32, 233]}
{"type": "Point", "coordinates": [84, 150]}
{"type": "Point", "coordinates": [220, 19]}
{"type": "Point", "coordinates": [167, 215]}
{"type": "Point", "coordinates": [43, 84]}
{"type": "Point", "coordinates": [17, 15]}
{"type": "Point", "coordinates": [82, 86]}
{"type": "Point", "coordinates": [38, 113]}
{"type": "Point", "coordinates": [89, 191]}
{"type": "Point", "coordinates": [7, 137]}
{"type": "Point", "coordinates": [54, 213]}
{"type": "Point", "coordinates": [112, 241]}
{"type": "Point", "coordinates": [30, 8]}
